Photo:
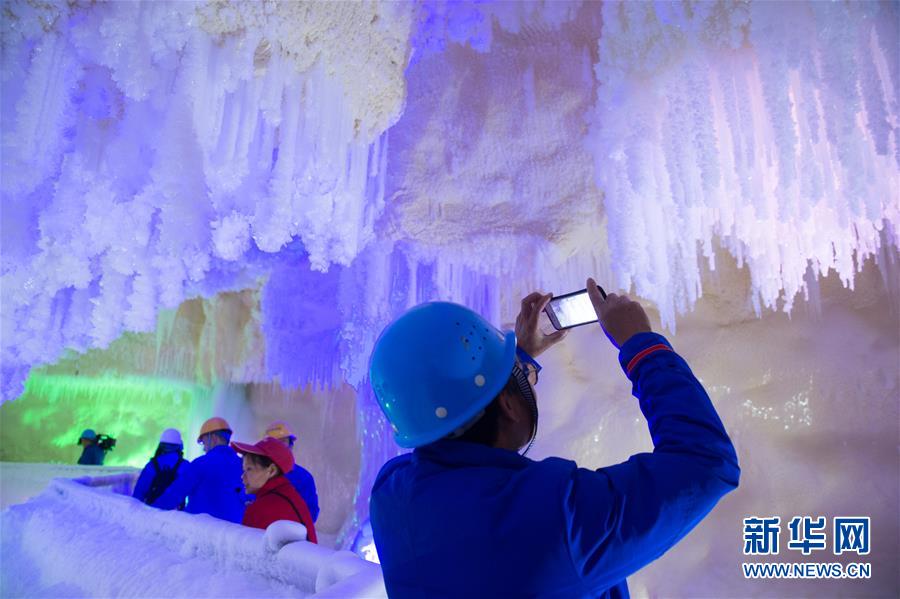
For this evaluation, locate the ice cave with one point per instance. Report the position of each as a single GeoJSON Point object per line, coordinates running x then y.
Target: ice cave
{"type": "Point", "coordinates": [214, 207]}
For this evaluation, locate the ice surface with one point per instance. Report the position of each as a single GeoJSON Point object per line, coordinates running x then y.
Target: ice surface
{"type": "Point", "coordinates": [79, 538]}
{"type": "Point", "coordinates": [24, 480]}
{"type": "Point", "coordinates": [282, 532]}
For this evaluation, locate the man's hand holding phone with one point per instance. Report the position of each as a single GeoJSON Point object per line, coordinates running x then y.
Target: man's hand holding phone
{"type": "Point", "coordinates": [620, 317]}
{"type": "Point", "coordinates": [528, 336]}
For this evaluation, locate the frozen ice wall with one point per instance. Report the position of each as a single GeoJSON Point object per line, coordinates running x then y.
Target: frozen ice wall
{"type": "Point", "coordinates": [44, 424]}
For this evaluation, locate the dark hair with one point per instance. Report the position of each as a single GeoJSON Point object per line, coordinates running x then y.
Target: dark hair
{"type": "Point", "coordinates": [261, 461]}
{"type": "Point", "coordinates": [164, 448]}
{"type": "Point", "coordinates": [488, 426]}
{"type": "Point", "coordinates": [224, 434]}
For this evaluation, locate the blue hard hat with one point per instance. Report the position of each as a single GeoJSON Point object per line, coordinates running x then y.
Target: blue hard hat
{"type": "Point", "coordinates": [88, 434]}
{"type": "Point", "coordinates": [436, 367]}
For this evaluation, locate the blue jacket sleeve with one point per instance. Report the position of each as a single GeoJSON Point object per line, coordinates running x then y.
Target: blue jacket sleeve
{"type": "Point", "coordinates": [306, 485]}
{"type": "Point", "coordinates": [620, 518]}
{"type": "Point", "coordinates": [142, 486]}
{"type": "Point", "coordinates": [181, 487]}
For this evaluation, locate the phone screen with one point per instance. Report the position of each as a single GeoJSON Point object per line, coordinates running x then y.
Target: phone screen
{"type": "Point", "coordinates": [572, 310]}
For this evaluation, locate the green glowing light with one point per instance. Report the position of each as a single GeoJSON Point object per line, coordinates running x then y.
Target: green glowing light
{"type": "Point", "coordinates": [44, 423]}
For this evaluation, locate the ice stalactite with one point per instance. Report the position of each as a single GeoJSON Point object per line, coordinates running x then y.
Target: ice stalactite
{"type": "Point", "coordinates": [153, 151]}
{"type": "Point", "coordinates": [445, 22]}
{"type": "Point", "coordinates": [769, 127]}
{"type": "Point", "coordinates": [453, 231]}
{"type": "Point", "coordinates": [302, 325]}
{"type": "Point", "coordinates": [490, 183]}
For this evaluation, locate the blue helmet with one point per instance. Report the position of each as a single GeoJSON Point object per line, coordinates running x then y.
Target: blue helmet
{"type": "Point", "coordinates": [88, 434]}
{"type": "Point", "coordinates": [436, 367]}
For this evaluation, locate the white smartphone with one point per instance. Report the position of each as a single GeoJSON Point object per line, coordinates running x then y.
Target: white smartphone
{"type": "Point", "coordinates": [572, 309]}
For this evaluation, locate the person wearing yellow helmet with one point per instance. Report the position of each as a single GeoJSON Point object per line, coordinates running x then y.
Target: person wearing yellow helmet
{"type": "Point", "coordinates": [299, 476]}
{"type": "Point", "coordinates": [211, 484]}
{"type": "Point", "coordinates": [466, 515]}
{"type": "Point", "coordinates": [214, 432]}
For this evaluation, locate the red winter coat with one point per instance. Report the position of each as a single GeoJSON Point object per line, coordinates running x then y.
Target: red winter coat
{"type": "Point", "coordinates": [279, 500]}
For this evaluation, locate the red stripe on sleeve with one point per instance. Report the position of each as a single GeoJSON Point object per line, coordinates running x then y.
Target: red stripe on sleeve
{"type": "Point", "coordinates": [643, 354]}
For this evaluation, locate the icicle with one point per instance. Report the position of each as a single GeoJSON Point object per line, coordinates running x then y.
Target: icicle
{"type": "Point", "coordinates": [33, 148]}
{"type": "Point", "coordinates": [156, 142]}
{"type": "Point", "coordinates": [739, 142]}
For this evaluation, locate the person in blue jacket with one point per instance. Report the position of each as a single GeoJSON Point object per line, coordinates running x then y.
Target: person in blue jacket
{"type": "Point", "coordinates": [301, 479]}
{"type": "Point", "coordinates": [211, 484]}
{"type": "Point", "coordinates": [91, 453]}
{"type": "Point", "coordinates": [162, 469]}
{"type": "Point", "coordinates": [465, 515]}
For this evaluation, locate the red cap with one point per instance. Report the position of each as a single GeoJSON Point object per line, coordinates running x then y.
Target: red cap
{"type": "Point", "coordinates": [273, 449]}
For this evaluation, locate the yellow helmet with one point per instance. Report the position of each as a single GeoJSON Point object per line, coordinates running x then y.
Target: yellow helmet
{"type": "Point", "coordinates": [212, 425]}
{"type": "Point", "coordinates": [280, 430]}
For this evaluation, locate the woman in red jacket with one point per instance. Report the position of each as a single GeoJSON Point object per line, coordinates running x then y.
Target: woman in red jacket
{"type": "Point", "coordinates": [265, 465]}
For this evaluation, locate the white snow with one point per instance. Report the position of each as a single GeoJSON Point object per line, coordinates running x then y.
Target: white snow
{"type": "Point", "coordinates": [20, 481]}
{"type": "Point", "coordinates": [80, 538]}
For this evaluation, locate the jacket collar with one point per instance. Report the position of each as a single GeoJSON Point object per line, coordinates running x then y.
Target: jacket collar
{"type": "Point", "coordinates": [273, 484]}
{"type": "Point", "coordinates": [458, 454]}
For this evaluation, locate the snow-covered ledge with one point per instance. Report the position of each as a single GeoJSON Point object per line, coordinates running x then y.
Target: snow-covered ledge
{"type": "Point", "coordinates": [20, 481]}
{"type": "Point", "coordinates": [79, 537]}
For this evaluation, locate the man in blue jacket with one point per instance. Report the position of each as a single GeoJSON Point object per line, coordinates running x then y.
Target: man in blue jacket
{"type": "Point", "coordinates": [465, 515]}
{"type": "Point", "coordinates": [211, 484]}
{"type": "Point", "coordinates": [91, 452]}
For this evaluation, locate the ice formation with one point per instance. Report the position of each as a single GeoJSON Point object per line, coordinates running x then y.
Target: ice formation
{"type": "Point", "coordinates": [769, 128]}
{"type": "Point", "coordinates": [339, 162]}
{"type": "Point", "coordinates": [158, 150]}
